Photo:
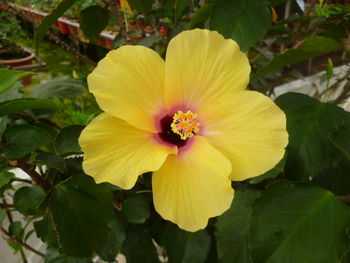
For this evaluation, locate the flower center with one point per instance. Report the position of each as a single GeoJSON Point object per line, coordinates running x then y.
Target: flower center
{"type": "Point", "coordinates": [185, 124]}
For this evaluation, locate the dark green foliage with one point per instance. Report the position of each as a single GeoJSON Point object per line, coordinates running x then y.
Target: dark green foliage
{"type": "Point", "coordinates": [245, 21]}
{"type": "Point", "coordinates": [310, 123]}
{"type": "Point", "coordinates": [28, 199]}
{"type": "Point", "coordinates": [20, 105]}
{"type": "Point", "coordinates": [312, 47]}
{"type": "Point", "coordinates": [93, 20]}
{"type": "Point", "coordinates": [67, 140]}
{"type": "Point", "coordinates": [186, 247]}
{"type": "Point", "coordinates": [136, 209]}
{"type": "Point", "coordinates": [22, 139]}
{"type": "Point", "coordinates": [48, 21]}
{"type": "Point", "coordinates": [290, 223]}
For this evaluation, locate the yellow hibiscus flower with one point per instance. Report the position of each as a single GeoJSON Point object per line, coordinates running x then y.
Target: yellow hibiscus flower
{"type": "Point", "coordinates": [188, 119]}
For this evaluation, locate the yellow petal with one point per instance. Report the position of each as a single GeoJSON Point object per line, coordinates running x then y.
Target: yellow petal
{"type": "Point", "coordinates": [249, 129]}
{"type": "Point", "coordinates": [193, 186]}
{"type": "Point", "coordinates": [129, 84]}
{"type": "Point", "coordinates": [118, 153]}
{"type": "Point", "coordinates": [201, 66]}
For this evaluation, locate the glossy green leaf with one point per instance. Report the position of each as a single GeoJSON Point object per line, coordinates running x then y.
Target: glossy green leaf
{"type": "Point", "coordinates": [22, 139]}
{"type": "Point", "coordinates": [179, 7]}
{"type": "Point", "coordinates": [28, 199]}
{"type": "Point", "coordinates": [5, 177]}
{"type": "Point", "coordinates": [309, 124]}
{"type": "Point", "coordinates": [46, 230]}
{"type": "Point", "coordinates": [136, 209]}
{"type": "Point", "coordinates": [313, 46]}
{"type": "Point", "coordinates": [58, 87]}
{"type": "Point", "coordinates": [67, 140]}
{"type": "Point", "coordinates": [93, 20]}
{"type": "Point", "coordinates": [297, 224]}
{"type": "Point", "coordinates": [142, 240]}
{"type": "Point", "coordinates": [245, 21]}
{"type": "Point", "coordinates": [19, 105]}
{"type": "Point", "coordinates": [8, 78]}
{"type": "Point", "coordinates": [50, 19]}
{"type": "Point", "coordinates": [233, 229]}
{"type": "Point", "coordinates": [149, 41]}
{"type": "Point", "coordinates": [186, 247]}
{"type": "Point", "coordinates": [53, 256]}
{"type": "Point", "coordinates": [201, 15]}
{"type": "Point", "coordinates": [335, 178]}
{"type": "Point", "coordinates": [83, 215]}
{"type": "Point", "coordinates": [341, 139]}
{"type": "Point", "coordinates": [16, 229]}
{"type": "Point", "coordinates": [52, 160]}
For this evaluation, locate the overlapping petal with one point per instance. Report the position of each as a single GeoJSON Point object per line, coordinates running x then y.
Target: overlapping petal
{"type": "Point", "coordinates": [193, 186]}
{"type": "Point", "coordinates": [129, 84]}
{"type": "Point", "coordinates": [201, 66]}
{"type": "Point", "coordinates": [118, 153]}
{"type": "Point", "coordinates": [249, 129]}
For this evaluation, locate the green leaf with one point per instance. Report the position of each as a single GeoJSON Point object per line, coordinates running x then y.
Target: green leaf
{"type": "Point", "coordinates": [335, 178]}
{"type": "Point", "coordinates": [93, 20]}
{"type": "Point", "coordinates": [58, 87]}
{"type": "Point", "coordinates": [144, 6]}
{"type": "Point", "coordinates": [2, 215]}
{"type": "Point", "coordinates": [28, 199]}
{"type": "Point", "coordinates": [67, 140]}
{"type": "Point", "coordinates": [22, 139]}
{"type": "Point", "coordinates": [5, 177]}
{"type": "Point", "coordinates": [309, 124]}
{"type": "Point", "coordinates": [8, 78]}
{"type": "Point", "coordinates": [19, 105]}
{"type": "Point", "coordinates": [186, 247]}
{"type": "Point", "coordinates": [16, 230]}
{"type": "Point", "coordinates": [53, 256]}
{"type": "Point", "coordinates": [297, 224]}
{"type": "Point", "coordinates": [201, 15]}
{"type": "Point", "coordinates": [245, 21]}
{"type": "Point", "coordinates": [52, 160]}
{"type": "Point", "coordinates": [233, 228]}
{"type": "Point", "coordinates": [313, 46]}
{"type": "Point", "coordinates": [341, 140]}
{"type": "Point", "coordinates": [12, 93]}
{"type": "Point", "coordinates": [179, 7]}
{"type": "Point", "coordinates": [149, 41]}
{"type": "Point", "coordinates": [83, 215]}
{"type": "Point", "coordinates": [141, 239]}
{"type": "Point", "coordinates": [135, 209]}
{"type": "Point", "coordinates": [49, 20]}
{"type": "Point", "coordinates": [46, 231]}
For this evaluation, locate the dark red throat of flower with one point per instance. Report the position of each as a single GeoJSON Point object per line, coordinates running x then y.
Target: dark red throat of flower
{"type": "Point", "coordinates": [167, 135]}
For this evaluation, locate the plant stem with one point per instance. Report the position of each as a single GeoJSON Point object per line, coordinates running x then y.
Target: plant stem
{"type": "Point", "coordinates": [30, 170]}
{"type": "Point", "coordinates": [8, 237]}
{"type": "Point", "coordinates": [4, 205]}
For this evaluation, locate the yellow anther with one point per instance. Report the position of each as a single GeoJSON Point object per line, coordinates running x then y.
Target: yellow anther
{"type": "Point", "coordinates": [184, 124]}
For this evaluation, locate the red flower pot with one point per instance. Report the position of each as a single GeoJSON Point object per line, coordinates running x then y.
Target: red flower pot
{"type": "Point", "coordinates": [13, 63]}
{"type": "Point", "coordinates": [63, 27]}
{"type": "Point", "coordinates": [101, 42]}
{"type": "Point", "coordinates": [73, 30]}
